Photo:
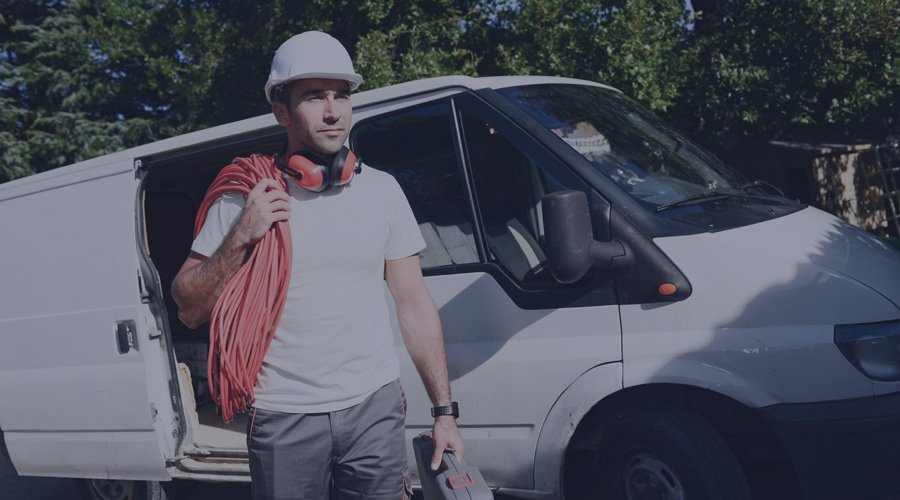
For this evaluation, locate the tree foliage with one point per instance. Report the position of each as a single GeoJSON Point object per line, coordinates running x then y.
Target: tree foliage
{"type": "Point", "coordinates": [81, 78]}
{"type": "Point", "coordinates": [54, 92]}
{"type": "Point", "coordinates": [817, 70]}
{"type": "Point", "coordinates": [637, 45]}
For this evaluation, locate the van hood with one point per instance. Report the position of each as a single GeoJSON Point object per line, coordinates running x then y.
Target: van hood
{"type": "Point", "coordinates": [800, 258]}
{"type": "Point", "coordinates": [845, 249]}
{"type": "Point", "coordinates": [759, 323]}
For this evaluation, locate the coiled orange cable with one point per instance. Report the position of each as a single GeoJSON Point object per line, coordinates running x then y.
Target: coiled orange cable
{"type": "Point", "coordinates": [247, 312]}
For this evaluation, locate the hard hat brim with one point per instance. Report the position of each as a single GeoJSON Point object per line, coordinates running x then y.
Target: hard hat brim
{"type": "Point", "coordinates": [354, 79]}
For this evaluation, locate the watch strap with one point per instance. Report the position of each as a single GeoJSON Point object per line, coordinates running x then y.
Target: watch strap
{"type": "Point", "coordinates": [452, 409]}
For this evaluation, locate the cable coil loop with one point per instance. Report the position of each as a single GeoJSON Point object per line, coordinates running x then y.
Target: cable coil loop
{"type": "Point", "coordinates": [246, 314]}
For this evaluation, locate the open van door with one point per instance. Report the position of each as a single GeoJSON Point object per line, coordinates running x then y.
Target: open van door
{"type": "Point", "coordinates": [85, 377]}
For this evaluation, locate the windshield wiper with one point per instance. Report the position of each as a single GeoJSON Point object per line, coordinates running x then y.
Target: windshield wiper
{"type": "Point", "coordinates": [717, 195]}
{"type": "Point", "coordinates": [694, 198]}
{"type": "Point", "coordinates": [761, 183]}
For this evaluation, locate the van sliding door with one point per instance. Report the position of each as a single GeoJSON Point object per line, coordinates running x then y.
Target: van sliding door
{"type": "Point", "coordinates": [83, 378]}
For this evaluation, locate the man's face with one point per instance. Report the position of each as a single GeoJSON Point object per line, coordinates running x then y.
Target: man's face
{"type": "Point", "coordinates": [319, 115]}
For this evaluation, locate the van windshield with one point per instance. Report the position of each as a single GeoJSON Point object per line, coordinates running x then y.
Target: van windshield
{"type": "Point", "coordinates": [647, 159]}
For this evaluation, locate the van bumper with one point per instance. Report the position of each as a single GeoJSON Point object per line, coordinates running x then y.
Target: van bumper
{"type": "Point", "coordinates": [842, 449]}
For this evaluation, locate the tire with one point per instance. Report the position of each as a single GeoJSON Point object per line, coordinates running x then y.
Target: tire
{"type": "Point", "coordinates": [125, 489]}
{"type": "Point", "coordinates": [668, 453]}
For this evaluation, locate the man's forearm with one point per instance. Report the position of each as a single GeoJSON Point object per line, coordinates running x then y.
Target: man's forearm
{"type": "Point", "coordinates": [200, 282]}
{"type": "Point", "coordinates": [197, 289]}
{"type": "Point", "coordinates": [421, 329]}
{"type": "Point", "coordinates": [424, 338]}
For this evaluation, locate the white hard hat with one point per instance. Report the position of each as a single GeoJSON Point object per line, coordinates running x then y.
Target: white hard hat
{"type": "Point", "coordinates": [311, 54]}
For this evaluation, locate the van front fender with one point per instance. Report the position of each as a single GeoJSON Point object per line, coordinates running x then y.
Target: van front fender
{"type": "Point", "coordinates": [563, 418]}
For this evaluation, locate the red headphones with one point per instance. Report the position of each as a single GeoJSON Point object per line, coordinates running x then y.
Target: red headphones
{"type": "Point", "coordinates": [310, 172]}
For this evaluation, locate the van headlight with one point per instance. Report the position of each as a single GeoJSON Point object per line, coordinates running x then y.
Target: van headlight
{"type": "Point", "coordinates": [873, 348]}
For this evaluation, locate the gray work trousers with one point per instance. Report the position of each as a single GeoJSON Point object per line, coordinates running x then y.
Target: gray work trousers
{"type": "Point", "coordinates": [358, 452]}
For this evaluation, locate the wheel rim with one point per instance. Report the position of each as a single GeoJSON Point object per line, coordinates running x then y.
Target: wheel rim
{"type": "Point", "coordinates": [112, 489]}
{"type": "Point", "coordinates": [647, 477]}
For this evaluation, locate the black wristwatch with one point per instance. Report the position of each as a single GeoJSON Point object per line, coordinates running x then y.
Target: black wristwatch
{"type": "Point", "coordinates": [452, 410]}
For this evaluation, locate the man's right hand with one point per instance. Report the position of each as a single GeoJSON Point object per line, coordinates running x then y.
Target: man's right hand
{"type": "Point", "coordinates": [201, 280]}
{"type": "Point", "coordinates": [266, 204]}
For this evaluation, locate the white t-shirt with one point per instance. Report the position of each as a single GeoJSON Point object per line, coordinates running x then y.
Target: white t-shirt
{"type": "Point", "coordinates": [333, 346]}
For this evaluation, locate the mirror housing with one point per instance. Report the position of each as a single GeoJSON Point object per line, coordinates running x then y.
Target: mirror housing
{"type": "Point", "coordinates": [572, 250]}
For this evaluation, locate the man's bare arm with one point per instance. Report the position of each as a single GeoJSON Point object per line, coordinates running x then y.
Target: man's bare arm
{"type": "Point", "coordinates": [420, 326]}
{"type": "Point", "coordinates": [201, 280]}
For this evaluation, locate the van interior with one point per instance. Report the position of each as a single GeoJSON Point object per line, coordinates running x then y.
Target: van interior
{"type": "Point", "coordinates": [173, 188]}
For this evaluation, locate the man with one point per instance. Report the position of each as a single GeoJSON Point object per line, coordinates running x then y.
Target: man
{"type": "Point", "coordinates": [327, 418]}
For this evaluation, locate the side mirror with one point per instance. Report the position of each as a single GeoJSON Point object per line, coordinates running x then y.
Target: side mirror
{"type": "Point", "coordinates": [572, 250]}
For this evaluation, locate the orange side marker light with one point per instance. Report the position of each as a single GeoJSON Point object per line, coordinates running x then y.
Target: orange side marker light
{"type": "Point", "coordinates": [667, 289]}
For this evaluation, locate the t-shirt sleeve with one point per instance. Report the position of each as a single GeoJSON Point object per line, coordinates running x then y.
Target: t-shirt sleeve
{"type": "Point", "coordinates": [223, 213]}
{"type": "Point", "coordinates": [405, 238]}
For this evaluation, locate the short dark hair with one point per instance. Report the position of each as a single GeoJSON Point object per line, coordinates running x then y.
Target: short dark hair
{"type": "Point", "coordinates": [281, 93]}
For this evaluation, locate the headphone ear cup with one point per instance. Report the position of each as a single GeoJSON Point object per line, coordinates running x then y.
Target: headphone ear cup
{"type": "Point", "coordinates": [312, 175]}
{"type": "Point", "coordinates": [344, 167]}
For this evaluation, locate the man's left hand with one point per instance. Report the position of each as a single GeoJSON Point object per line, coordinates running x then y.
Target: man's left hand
{"type": "Point", "coordinates": [446, 438]}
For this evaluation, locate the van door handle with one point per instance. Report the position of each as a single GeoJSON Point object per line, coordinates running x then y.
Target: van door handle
{"type": "Point", "coordinates": [126, 336]}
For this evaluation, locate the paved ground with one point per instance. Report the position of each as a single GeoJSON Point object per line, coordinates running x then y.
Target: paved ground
{"type": "Point", "coordinates": [13, 487]}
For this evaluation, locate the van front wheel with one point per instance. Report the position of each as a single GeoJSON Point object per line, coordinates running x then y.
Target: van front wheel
{"type": "Point", "coordinates": [125, 489]}
{"type": "Point", "coordinates": [667, 453]}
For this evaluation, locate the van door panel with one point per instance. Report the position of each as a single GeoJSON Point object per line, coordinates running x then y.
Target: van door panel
{"type": "Point", "coordinates": [73, 405]}
{"type": "Point", "coordinates": [100, 379]}
{"type": "Point", "coordinates": [507, 367]}
{"type": "Point", "coordinates": [100, 455]}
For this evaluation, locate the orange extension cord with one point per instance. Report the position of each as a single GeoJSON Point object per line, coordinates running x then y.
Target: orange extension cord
{"type": "Point", "coordinates": [245, 316]}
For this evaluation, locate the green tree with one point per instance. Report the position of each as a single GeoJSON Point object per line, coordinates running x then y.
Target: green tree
{"type": "Point", "coordinates": [86, 77]}
{"type": "Point", "coordinates": [408, 40]}
{"type": "Point", "coordinates": [81, 78]}
{"type": "Point", "coordinates": [817, 70]}
{"type": "Point", "coordinates": [202, 63]}
{"type": "Point", "coordinates": [637, 46]}
{"type": "Point", "coordinates": [52, 91]}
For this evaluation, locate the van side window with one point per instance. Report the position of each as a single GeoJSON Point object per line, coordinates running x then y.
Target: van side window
{"type": "Point", "coordinates": [509, 186]}
{"type": "Point", "coordinates": [416, 146]}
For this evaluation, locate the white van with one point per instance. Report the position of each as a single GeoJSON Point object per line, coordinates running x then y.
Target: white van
{"type": "Point", "coordinates": [623, 314]}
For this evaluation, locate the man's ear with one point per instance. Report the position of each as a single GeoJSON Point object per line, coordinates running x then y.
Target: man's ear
{"type": "Point", "coordinates": [281, 114]}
